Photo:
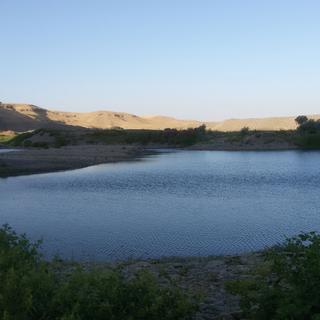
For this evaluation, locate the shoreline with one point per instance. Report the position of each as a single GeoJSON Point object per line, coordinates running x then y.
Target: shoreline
{"type": "Point", "coordinates": [254, 145]}
{"type": "Point", "coordinates": [204, 277]}
{"type": "Point", "coordinates": [241, 148]}
{"type": "Point", "coordinates": [34, 161]}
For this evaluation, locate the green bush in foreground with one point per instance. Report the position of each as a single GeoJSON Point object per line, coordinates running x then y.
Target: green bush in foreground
{"type": "Point", "coordinates": [287, 286]}
{"type": "Point", "coordinates": [31, 288]}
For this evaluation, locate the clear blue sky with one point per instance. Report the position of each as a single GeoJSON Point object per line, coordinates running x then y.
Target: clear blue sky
{"type": "Point", "coordinates": [190, 59]}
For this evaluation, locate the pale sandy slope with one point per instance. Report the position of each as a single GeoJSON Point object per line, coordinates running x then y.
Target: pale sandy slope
{"type": "Point", "coordinates": [22, 117]}
{"type": "Point", "coordinates": [279, 123]}
{"type": "Point", "coordinates": [109, 119]}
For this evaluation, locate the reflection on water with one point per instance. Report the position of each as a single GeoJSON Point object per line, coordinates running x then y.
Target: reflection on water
{"type": "Point", "coordinates": [7, 150]}
{"type": "Point", "coordinates": [180, 203]}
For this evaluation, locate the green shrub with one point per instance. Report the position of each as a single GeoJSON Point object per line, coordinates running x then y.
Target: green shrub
{"type": "Point", "coordinates": [23, 277]}
{"type": "Point", "coordinates": [287, 285]}
{"type": "Point", "coordinates": [309, 126]}
{"type": "Point", "coordinates": [33, 289]}
{"type": "Point", "coordinates": [309, 140]}
{"type": "Point", "coordinates": [245, 131]}
{"type": "Point", "coordinates": [20, 138]}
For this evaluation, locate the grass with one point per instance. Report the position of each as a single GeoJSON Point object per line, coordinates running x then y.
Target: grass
{"type": "Point", "coordinates": [20, 138]}
{"type": "Point", "coordinates": [4, 139]}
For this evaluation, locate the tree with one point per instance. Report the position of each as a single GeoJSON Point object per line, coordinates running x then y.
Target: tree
{"type": "Point", "coordinates": [301, 120]}
{"type": "Point", "coordinates": [201, 130]}
{"type": "Point", "coordinates": [244, 131]}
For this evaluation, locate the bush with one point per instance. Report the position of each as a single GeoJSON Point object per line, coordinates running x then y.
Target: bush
{"type": "Point", "coordinates": [287, 286]}
{"type": "Point", "coordinates": [32, 288]}
{"type": "Point", "coordinates": [20, 138]}
{"type": "Point", "coordinates": [301, 120]}
{"type": "Point", "coordinates": [309, 126]}
{"type": "Point", "coordinates": [308, 133]}
{"type": "Point", "coordinates": [244, 131]}
{"type": "Point", "coordinates": [105, 295]}
{"type": "Point", "coordinates": [308, 140]}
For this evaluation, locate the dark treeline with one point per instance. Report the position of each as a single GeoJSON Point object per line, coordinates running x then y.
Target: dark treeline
{"type": "Point", "coordinates": [308, 132]}
{"type": "Point", "coordinates": [306, 136]}
{"type": "Point", "coordinates": [59, 138]}
{"type": "Point", "coordinates": [167, 136]}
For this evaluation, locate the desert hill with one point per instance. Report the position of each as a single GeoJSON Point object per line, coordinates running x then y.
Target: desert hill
{"type": "Point", "coordinates": [267, 124]}
{"type": "Point", "coordinates": [23, 117]}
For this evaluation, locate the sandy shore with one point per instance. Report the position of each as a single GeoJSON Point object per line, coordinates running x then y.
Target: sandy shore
{"type": "Point", "coordinates": [29, 161]}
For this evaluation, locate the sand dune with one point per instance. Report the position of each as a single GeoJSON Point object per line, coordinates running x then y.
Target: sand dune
{"type": "Point", "coordinates": [23, 117]}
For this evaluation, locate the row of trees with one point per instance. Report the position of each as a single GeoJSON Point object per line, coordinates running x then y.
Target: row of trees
{"type": "Point", "coordinates": [181, 137]}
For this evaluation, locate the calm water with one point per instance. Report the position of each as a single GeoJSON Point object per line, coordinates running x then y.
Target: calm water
{"type": "Point", "coordinates": [181, 203]}
{"type": "Point", "coordinates": [7, 150]}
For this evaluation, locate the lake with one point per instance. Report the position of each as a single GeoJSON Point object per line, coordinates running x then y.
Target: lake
{"type": "Point", "coordinates": [7, 150]}
{"type": "Point", "coordinates": [182, 203]}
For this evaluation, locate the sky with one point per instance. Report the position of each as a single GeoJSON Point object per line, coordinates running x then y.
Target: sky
{"type": "Point", "coordinates": [191, 59]}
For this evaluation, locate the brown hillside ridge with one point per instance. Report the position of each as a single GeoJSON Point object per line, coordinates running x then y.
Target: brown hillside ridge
{"type": "Point", "coordinates": [23, 117]}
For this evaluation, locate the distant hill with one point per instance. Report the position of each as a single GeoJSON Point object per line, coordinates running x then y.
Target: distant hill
{"type": "Point", "coordinates": [267, 124]}
{"type": "Point", "coordinates": [23, 117]}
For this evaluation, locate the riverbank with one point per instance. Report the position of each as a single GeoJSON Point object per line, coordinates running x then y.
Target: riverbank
{"type": "Point", "coordinates": [240, 147]}
{"type": "Point", "coordinates": [34, 160]}
{"type": "Point", "coordinates": [166, 288]}
{"type": "Point", "coordinates": [203, 278]}
{"type": "Point", "coordinates": [44, 160]}
{"type": "Point", "coordinates": [250, 141]}
{"type": "Point", "coordinates": [47, 150]}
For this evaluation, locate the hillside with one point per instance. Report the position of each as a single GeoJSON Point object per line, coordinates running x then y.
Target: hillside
{"type": "Point", "coordinates": [23, 117]}
{"type": "Point", "coordinates": [264, 124]}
